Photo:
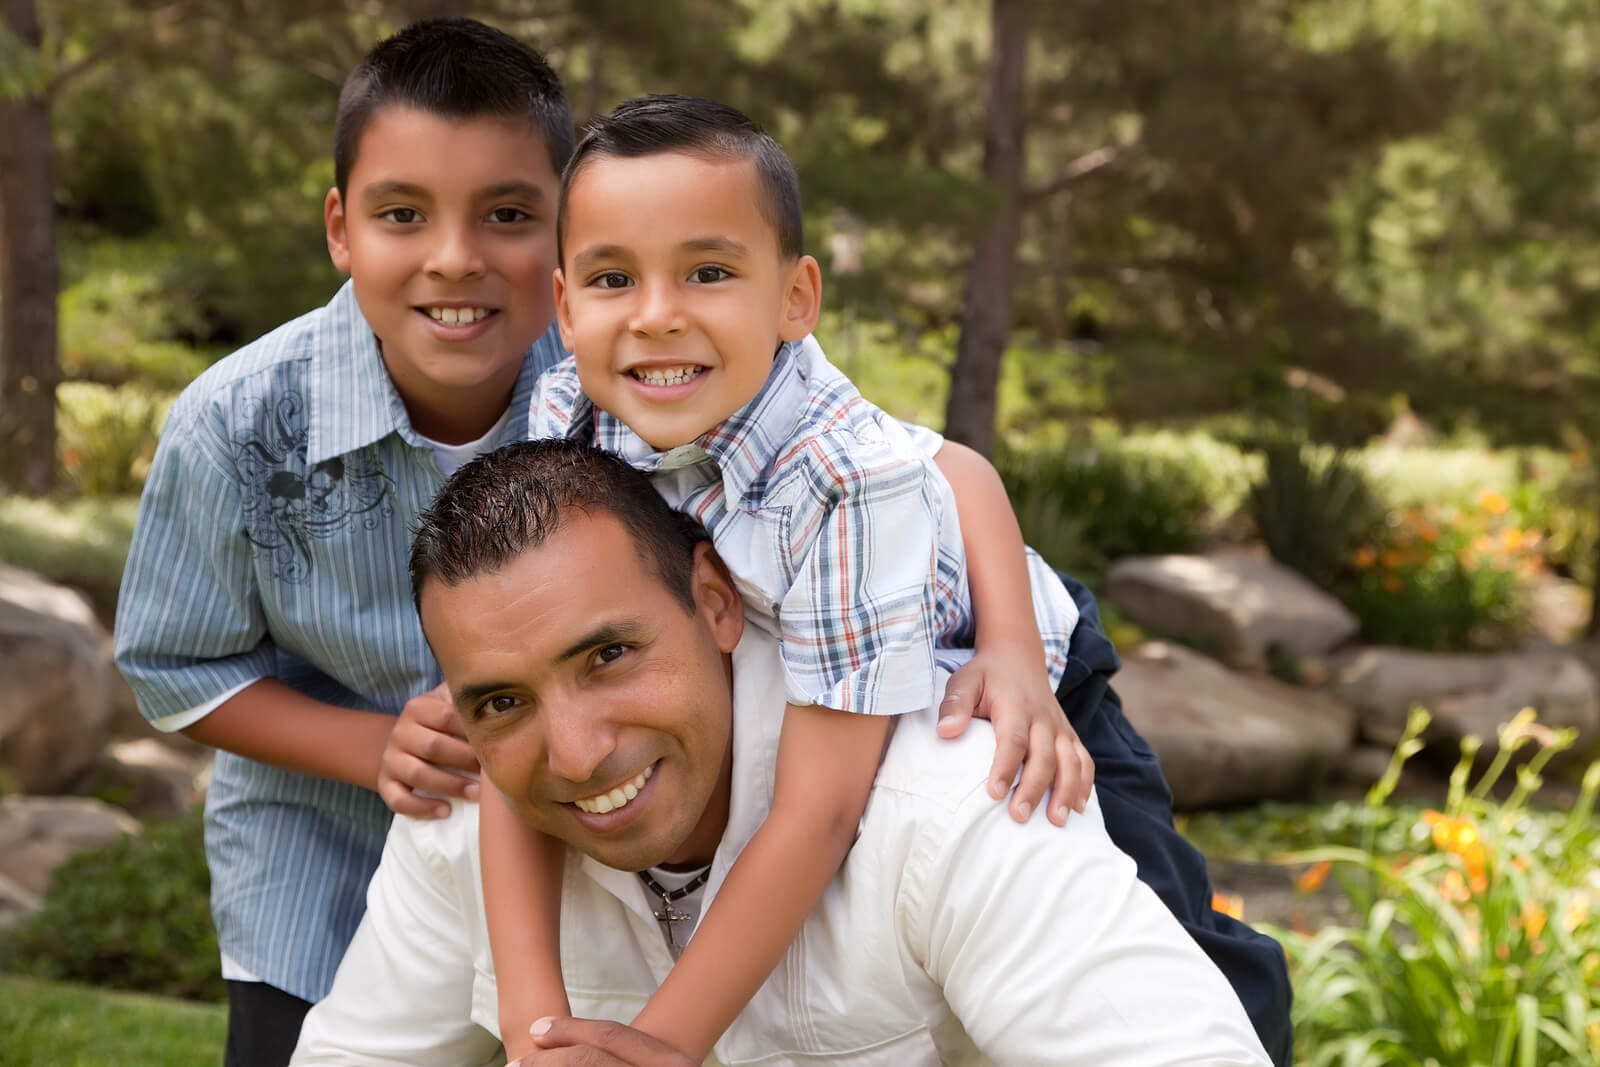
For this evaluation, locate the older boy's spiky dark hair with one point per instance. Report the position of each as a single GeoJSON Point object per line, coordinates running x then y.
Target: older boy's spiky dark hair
{"type": "Point", "coordinates": [652, 125]}
{"type": "Point", "coordinates": [455, 68]}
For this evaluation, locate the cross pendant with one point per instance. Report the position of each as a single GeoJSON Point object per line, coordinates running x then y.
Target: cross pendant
{"type": "Point", "coordinates": [669, 921]}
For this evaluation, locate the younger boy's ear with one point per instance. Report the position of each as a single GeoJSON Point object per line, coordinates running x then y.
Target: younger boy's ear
{"type": "Point", "coordinates": [563, 313]}
{"type": "Point", "coordinates": [803, 300]}
{"type": "Point", "coordinates": [333, 222]}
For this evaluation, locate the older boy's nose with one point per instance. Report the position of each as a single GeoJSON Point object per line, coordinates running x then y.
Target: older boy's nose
{"type": "Point", "coordinates": [454, 253]}
{"type": "Point", "coordinates": [657, 311]}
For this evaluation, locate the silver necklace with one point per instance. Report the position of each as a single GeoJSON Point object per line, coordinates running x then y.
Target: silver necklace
{"type": "Point", "coordinates": [667, 915]}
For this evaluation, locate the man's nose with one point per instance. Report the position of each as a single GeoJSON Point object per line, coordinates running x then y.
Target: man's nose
{"type": "Point", "coordinates": [657, 311]}
{"type": "Point", "coordinates": [455, 253]}
{"type": "Point", "coordinates": [578, 740]}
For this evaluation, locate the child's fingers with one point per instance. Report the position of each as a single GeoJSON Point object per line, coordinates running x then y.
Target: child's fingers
{"type": "Point", "coordinates": [1010, 749]}
{"type": "Point", "coordinates": [956, 710]}
{"type": "Point", "coordinates": [1074, 779]}
{"type": "Point", "coordinates": [1038, 772]}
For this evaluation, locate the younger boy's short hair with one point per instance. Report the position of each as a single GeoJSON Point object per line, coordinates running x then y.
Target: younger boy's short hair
{"type": "Point", "coordinates": [456, 68]}
{"type": "Point", "coordinates": [660, 123]}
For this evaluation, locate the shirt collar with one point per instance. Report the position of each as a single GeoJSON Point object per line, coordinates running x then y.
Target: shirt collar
{"type": "Point", "coordinates": [745, 444]}
{"type": "Point", "coordinates": [353, 401]}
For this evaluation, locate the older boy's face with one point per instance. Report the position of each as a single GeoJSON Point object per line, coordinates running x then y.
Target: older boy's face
{"type": "Point", "coordinates": [674, 295]}
{"type": "Point", "coordinates": [598, 704]}
{"type": "Point", "coordinates": [448, 231]}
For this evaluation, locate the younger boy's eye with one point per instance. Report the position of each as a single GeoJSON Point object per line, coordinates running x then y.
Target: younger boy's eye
{"type": "Point", "coordinates": [509, 214]}
{"type": "Point", "coordinates": [708, 275]}
{"type": "Point", "coordinates": [611, 279]}
{"type": "Point", "coordinates": [402, 215]}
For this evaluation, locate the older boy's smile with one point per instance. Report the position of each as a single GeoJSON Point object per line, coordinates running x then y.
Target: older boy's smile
{"type": "Point", "coordinates": [675, 294]}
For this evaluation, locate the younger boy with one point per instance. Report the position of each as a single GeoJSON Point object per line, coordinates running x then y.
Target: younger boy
{"type": "Point", "coordinates": [265, 608]}
{"type": "Point", "coordinates": [681, 273]}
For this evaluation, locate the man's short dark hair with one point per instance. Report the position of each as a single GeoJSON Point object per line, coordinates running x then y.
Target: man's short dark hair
{"type": "Point", "coordinates": [511, 500]}
{"type": "Point", "coordinates": [653, 125]}
{"type": "Point", "coordinates": [458, 69]}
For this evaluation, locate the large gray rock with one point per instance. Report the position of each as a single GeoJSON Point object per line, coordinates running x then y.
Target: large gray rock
{"type": "Point", "coordinates": [149, 779]}
{"type": "Point", "coordinates": [1234, 603]}
{"type": "Point", "coordinates": [1228, 738]}
{"type": "Point", "coordinates": [55, 705]}
{"type": "Point", "coordinates": [38, 834]}
{"type": "Point", "coordinates": [1467, 693]}
{"type": "Point", "coordinates": [16, 904]}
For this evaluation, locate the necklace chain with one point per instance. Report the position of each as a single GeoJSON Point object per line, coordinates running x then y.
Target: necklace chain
{"type": "Point", "coordinates": [667, 916]}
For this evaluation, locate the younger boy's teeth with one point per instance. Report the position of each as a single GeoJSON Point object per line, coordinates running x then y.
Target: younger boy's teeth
{"type": "Point", "coordinates": [666, 376]}
{"type": "Point", "coordinates": [618, 797]}
{"type": "Point", "coordinates": [457, 316]}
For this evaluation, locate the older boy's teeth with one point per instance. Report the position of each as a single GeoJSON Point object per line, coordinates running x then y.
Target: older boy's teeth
{"type": "Point", "coordinates": [618, 797]}
{"type": "Point", "coordinates": [458, 316]}
{"type": "Point", "coordinates": [668, 376]}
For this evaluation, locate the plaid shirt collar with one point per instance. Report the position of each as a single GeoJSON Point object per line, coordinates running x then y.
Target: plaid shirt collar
{"type": "Point", "coordinates": [743, 446]}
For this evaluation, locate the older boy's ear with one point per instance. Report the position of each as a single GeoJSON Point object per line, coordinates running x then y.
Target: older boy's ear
{"type": "Point", "coordinates": [333, 221]}
{"type": "Point", "coordinates": [563, 313]}
{"type": "Point", "coordinates": [803, 301]}
{"type": "Point", "coordinates": [717, 597]}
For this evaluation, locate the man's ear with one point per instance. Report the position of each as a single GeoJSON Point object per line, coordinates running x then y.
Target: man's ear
{"type": "Point", "coordinates": [716, 597]}
{"type": "Point", "coordinates": [802, 300]}
{"type": "Point", "coordinates": [333, 221]}
{"type": "Point", "coordinates": [563, 313]}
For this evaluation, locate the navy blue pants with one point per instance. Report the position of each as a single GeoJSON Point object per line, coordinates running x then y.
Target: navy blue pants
{"type": "Point", "coordinates": [1137, 807]}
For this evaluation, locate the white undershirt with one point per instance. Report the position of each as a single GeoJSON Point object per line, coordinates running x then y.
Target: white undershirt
{"type": "Point", "coordinates": [453, 457]}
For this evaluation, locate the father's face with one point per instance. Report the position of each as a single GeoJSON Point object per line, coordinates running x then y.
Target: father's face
{"type": "Point", "coordinates": [598, 704]}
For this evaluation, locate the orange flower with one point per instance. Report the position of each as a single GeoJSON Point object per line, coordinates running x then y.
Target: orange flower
{"type": "Point", "coordinates": [1493, 502]}
{"type": "Point", "coordinates": [1313, 877]}
{"type": "Point", "coordinates": [1428, 532]}
{"type": "Point", "coordinates": [1392, 583]}
{"type": "Point", "coordinates": [1533, 919]}
{"type": "Point", "coordinates": [1229, 904]}
{"type": "Point", "coordinates": [1392, 559]}
{"type": "Point", "coordinates": [1454, 887]}
{"type": "Point", "coordinates": [1364, 557]}
{"type": "Point", "coordinates": [1511, 538]}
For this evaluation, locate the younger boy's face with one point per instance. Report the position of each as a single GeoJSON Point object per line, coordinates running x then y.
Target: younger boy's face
{"type": "Point", "coordinates": [674, 295]}
{"type": "Point", "coordinates": [447, 229]}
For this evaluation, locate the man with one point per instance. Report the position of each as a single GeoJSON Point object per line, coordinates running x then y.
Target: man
{"type": "Point", "coordinates": [598, 655]}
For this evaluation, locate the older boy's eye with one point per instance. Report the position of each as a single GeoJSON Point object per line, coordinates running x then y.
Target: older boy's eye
{"type": "Point", "coordinates": [708, 275]}
{"type": "Point", "coordinates": [402, 215]}
{"type": "Point", "coordinates": [497, 705]}
{"type": "Point", "coordinates": [509, 214]}
{"type": "Point", "coordinates": [611, 279]}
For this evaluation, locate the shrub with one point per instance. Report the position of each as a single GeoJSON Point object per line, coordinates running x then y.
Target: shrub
{"type": "Point", "coordinates": [1481, 940]}
{"type": "Point", "coordinates": [134, 914]}
{"type": "Point", "coordinates": [1445, 577]}
{"type": "Point", "coordinates": [1310, 510]}
{"type": "Point", "coordinates": [108, 435]}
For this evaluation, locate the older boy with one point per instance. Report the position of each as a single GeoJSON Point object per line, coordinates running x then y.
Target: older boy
{"type": "Point", "coordinates": [265, 608]}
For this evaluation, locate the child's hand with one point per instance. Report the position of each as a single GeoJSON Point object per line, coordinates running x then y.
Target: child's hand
{"type": "Point", "coordinates": [426, 753]}
{"type": "Point", "coordinates": [1030, 730]}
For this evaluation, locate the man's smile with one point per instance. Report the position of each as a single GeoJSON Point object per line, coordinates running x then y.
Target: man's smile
{"type": "Point", "coordinates": [617, 798]}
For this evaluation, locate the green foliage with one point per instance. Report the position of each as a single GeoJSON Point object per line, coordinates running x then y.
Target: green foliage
{"type": "Point", "coordinates": [1481, 939]}
{"type": "Point", "coordinates": [107, 435]}
{"type": "Point", "coordinates": [134, 914]}
{"type": "Point", "coordinates": [49, 1024]}
{"type": "Point", "coordinates": [82, 543]}
{"type": "Point", "coordinates": [1310, 510]}
{"type": "Point", "coordinates": [1445, 577]}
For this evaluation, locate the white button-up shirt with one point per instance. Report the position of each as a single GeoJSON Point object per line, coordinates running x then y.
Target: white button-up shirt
{"type": "Point", "coordinates": [951, 935]}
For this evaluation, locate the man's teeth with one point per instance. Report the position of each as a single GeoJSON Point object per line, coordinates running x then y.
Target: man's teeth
{"type": "Point", "coordinates": [617, 797]}
{"type": "Point", "coordinates": [458, 316]}
{"type": "Point", "coordinates": [668, 376]}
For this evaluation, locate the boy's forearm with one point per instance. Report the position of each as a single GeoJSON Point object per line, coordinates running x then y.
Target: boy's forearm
{"type": "Point", "coordinates": [522, 904]}
{"type": "Point", "coordinates": [997, 565]}
{"type": "Point", "coordinates": [273, 723]}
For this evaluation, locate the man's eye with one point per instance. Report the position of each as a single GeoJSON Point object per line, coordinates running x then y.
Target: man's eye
{"type": "Point", "coordinates": [509, 214]}
{"type": "Point", "coordinates": [708, 275]}
{"type": "Point", "coordinates": [610, 653]}
{"type": "Point", "coordinates": [402, 215]}
{"type": "Point", "coordinates": [611, 279]}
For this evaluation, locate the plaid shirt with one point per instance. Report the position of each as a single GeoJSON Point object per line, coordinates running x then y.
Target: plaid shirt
{"type": "Point", "coordinates": [839, 530]}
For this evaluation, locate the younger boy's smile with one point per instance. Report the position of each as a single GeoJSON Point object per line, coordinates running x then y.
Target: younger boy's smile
{"type": "Point", "coordinates": [675, 295]}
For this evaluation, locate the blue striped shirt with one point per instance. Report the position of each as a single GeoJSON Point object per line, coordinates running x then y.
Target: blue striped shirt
{"type": "Point", "coordinates": [272, 541]}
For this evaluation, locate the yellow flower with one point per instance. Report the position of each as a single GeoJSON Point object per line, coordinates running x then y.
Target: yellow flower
{"type": "Point", "coordinates": [1511, 538]}
{"type": "Point", "coordinates": [1313, 877]}
{"type": "Point", "coordinates": [1577, 912]}
{"type": "Point", "coordinates": [1493, 502]}
{"type": "Point", "coordinates": [1229, 904]}
{"type": "Point", "coordinates": [1533, 919]}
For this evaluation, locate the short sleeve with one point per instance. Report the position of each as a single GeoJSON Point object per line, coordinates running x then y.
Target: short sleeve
{"type": "Point", "coordinates": [190, 625]}
{"type": "Point", "coordinates": [858, 623]}
{"type": "Point", "coordinates": [555, 400]}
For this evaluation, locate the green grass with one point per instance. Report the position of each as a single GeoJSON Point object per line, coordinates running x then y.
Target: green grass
{"type": "Point", "coordinates": [82, 542]}
{"type": "Point", "coordinates": [50, 1024]}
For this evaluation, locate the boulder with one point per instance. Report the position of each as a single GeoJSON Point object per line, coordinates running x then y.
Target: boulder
{"type": "Point", "coordinates": [149, 779]}
{"type": "Point", "coordinates": [1467, 693]}
{"type": "Point", "coordinates": [1228, 738]}
{"type": "Point", "coordinates": [1235, 603]}
{"type": "Point", "coordinates": [16, 904]}
{"type": "Point", "coordinates": [55, 708]}
{"type": "Point", "coordinates": [38, 834]}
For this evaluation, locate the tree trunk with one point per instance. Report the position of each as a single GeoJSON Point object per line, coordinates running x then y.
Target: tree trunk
{"type": "Point", "coordinates": [29, 278]}
{"type": "Point", "coordinates": [986, 311]}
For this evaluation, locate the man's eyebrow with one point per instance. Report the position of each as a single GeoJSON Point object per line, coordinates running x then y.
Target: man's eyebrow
{"type": "Point", "coordinates": [611, 633]}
